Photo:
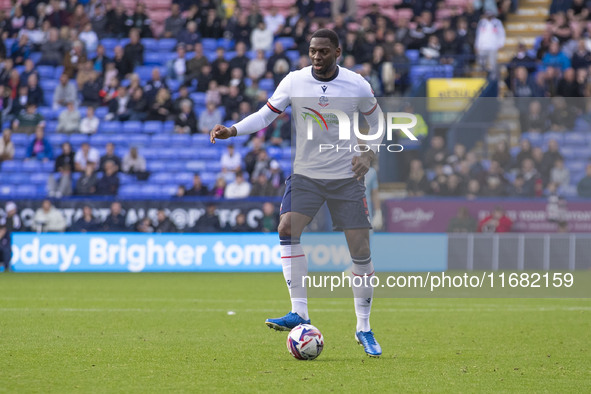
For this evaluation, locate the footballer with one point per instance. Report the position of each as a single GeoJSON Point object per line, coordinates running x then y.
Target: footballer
{"type": "Point", "coordinates": [335, 177]}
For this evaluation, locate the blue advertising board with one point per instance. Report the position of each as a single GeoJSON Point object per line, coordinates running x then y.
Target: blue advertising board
{"type": "Point", "coordinates": [127, 252]}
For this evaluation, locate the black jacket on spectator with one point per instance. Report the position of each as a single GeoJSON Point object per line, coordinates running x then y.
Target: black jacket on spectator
{"type": "Point", "coordinates": [82, 225]}
{"type": "Point", "coordinates": [201, 192]}
{"type": "Point", "coordinates": [166, 226]}
{"type": "Point", "coordinates": [64, 159]}
{"type": "Point", "coordinates": [116, 24]}
{"type": "Point", "coordinates": [141, 22]}
{"type": "Point", "coordinates": [108, 185]}
{"type": "Point", "coordinates": [86, 185]}
{"type": "Point", "coordinates": [134, 54]}
{"type": "Point", "coordinates": [184, 120]}
{"type": "Point", "coordinates": [207, 224]}
{"type": "Point", "coordinates": [114, 223]}
{"type": "Point", "coordinates": [90, 92]}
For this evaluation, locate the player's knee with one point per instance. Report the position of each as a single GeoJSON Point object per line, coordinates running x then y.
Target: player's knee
{"type": "Point", "coordinates": [284, 228]}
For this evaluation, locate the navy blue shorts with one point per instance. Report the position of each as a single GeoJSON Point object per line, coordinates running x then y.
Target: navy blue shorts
{"type": "Point", "coordinates": [345, 199]}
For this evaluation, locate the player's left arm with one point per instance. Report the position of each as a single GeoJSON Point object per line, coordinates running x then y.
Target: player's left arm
{"type": "Point", "coordinates": [371, 111]}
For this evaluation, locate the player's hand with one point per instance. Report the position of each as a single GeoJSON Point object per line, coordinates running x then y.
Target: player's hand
{"type": "Point", "coordinates": [221, 132]}
{"type": "Point", "coordinates": [361, 165]}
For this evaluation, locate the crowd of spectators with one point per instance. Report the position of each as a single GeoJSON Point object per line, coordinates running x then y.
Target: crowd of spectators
{"type": "Point", "coordinates": [531, 173]}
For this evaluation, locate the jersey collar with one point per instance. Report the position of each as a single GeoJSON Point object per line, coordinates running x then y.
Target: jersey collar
{"type": "Point", "coordinates": [336, 73]}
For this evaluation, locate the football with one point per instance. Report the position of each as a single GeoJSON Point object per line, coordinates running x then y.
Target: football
{"type": "Point", "coordinates": [305, 342]}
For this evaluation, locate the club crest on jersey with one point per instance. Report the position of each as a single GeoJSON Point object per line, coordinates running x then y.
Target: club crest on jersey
{"type": "Point", "coordinates": [323, 101]}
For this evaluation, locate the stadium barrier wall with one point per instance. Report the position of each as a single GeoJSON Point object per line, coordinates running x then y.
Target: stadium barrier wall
{"type": "Point", "coordinates": [128, 252]}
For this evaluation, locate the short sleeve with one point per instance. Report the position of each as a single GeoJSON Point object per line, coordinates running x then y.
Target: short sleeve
{"type": "Point", "coordinates": [367, 101]}
{"type": "Point", "coordinates": [282, 96]}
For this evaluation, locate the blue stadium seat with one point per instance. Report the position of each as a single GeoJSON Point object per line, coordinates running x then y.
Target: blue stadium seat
{"type": "Point", "coordinates": [124, 41]}
{"type": "Point", "coordinates": [48, 166]}
{"type": "Point", "coordinates": [144, 72]}
{"type": "Point", "coordinates": [293, 56]}
{"type": "Point", "coordinates": [186, 153]}
{"type": "Point", "coordinates": [568, 191]}
{"type": "Point", "coordinates": [286, 153]}
{"type": "Point", "coordinates": [26, 191]}
{"type": "Point", "coordinates": [184, 177]}
{"type": "Point", "coordinates": [175, 165]}
{"type": "Point", "coordinates": [575, 138]}
{"type": "Point", "coordinates": [267, 84]}
{"type": "Point", "coordinates": [140, 140]}
{"type": "Point", "coordinates": [285, 165]}
{"type": "Point", "coordinates": [150, 153]}
{"type": "Point", "coordinates": [568, 152]}
{"type": "Point", "coordinates": [79, 139]}
{"type": "Point", "coordinates": [213, 166]}
{"type": "Point", "coordinates": [18, 178]}
{"type": "Point", "coordinates": [575, 166]}
{"type": "Point", "coordinates": [128, 191]}
{"type": "Point", "coordinates": [59, 70]}
{"type": "Point", "coordinates": [168, 126]}
{"type": "Point", "coordinates": [196, 165]}
{"type": "Point", "coordinates": [48, 85]}
{"type": "Point", "coordinates": [132, 126]}
{"type": "Point", "coordinates": [161, 177]}
{"type": "Point", "coordinates": [208, 178]}
{"type": "Point", "coordinates": [166, 44]}
{"type": "Point", "coordinates": [412, 55]}
{"type": "Point", "coordinates": [168, 190]}
{"type": "Point", "coordinates": [151, 59]}
{"type": "Point", "coordinates": [287, 42]}
{"type": "Point", "coordinates": [20, 139]}
{"type": "Point", "coordinates": [198, 98]}
{"type": "Point", "coordinates": [208, 154]}
{"type": "Point", "coordinates": [11, 166]}
{"type": "Point", "coordinates": [150, 44]}
{"type": "Point", "coordinates": [35, 57]}
{"type": "Point", "coordinates": [156, 165]}
{"type": "Point", "coordinates": [161, 140]}
{"type": "Point", "coordinates": [559, 137]}
{"type": "Point", "coordinates": [152, 127]}
{"type": "Point", "coordinates": [533, 137]}
{"type": "Point", "coordinates": [225, 43]}
{"type": "Point", "coordinates": [31, 166]}
{"type": "Point", "coordinates": [173, 84]}
{"type": "Point", "coordinates": [210, 55]}
{"type": "Point", "coordinates": [7, 190]}
{"type": "Point", "coordinates": [110, 127]}
{"type": "Point", "coordinates": [99, 140]}
{"type": "Point", "coordinates": [46, 72]}
{"type": "Point", "coordinates": [38, 179]}
{"type": "Point", "coordinates": [583, 153]}
{"type": "Point", "coordinates": [101, 112]}
{"type": "Point", "coordinates": [167, 153]}
{"type": "Point", "coordinates": [19, 153]}
{"type": "Point", "coordinates": [58, 139]}
{"type": "Point", "coordinates": [201, 139]}
{"type": "Point", "coordinates": [109, 43]}
{"type": "Point", "coordinates": [48, 113]}
{"type": "Point", "coordinates": [209, 44]}
{"type": "Point", "coordinates": [274, 152]}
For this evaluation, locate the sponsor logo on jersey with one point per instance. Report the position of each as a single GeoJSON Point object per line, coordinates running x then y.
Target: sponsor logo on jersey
{"type": "Point", "coordinates": [323, 101]}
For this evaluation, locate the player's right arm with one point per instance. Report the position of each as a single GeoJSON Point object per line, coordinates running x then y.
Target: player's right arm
{"type": "Point", "coordinates": [262, 118]}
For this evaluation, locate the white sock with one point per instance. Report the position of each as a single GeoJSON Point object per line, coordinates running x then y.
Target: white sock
{"type": "Point", "coordinates": [295, 267]}
{"type": "Point", "coordinates": [363, 295]}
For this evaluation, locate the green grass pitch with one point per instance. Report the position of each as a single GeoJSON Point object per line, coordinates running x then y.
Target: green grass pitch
{"type": "Point", "coordinates": [88, 333]}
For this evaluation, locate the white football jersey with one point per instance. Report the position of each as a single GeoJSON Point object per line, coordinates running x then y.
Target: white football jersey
{"type": "Point", "coordinates": [309, 96]}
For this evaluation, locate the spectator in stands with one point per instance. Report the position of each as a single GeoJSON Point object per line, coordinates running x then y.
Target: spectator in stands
{"type": "Point", "coordinates": [276, 178]}
{"type": "Point", "coordinates": [568, 86]}
{"type": "Point", "coordinates": [144, 225]}
{"type": "Point", "coordinates": [195, 64]}
{"type": "Point", "coordinates": [138, 106]}
{"type": "Point", "coordinates": [436, 154]}
{"type": "Point", "coordinates": [180, 191]}
{"type": "Point", "coordinates": [274, 21]}
{"type": "Point", "coordinates": [161, 108]}
{"type": "Point", "coordinates": [19, 104]}
{"type": "Point", "coordinates": [219, 187]}
{"type": "Point", "coordinates": [523, 59]}
{"type": "Point", "coordinates": [100, 61]}
{"type": "Point", "coordinates": [6, 146]}
{"type": "Point", "coordinates": [535, 119]}
{"type": "Point", "coordinates": [35, 93]}
{"type": "Point", "coordinates": [241, 226]}
{"type": "Point", "coordinates": [270, 219]}
{"type": "Point", "coordinates": [204, 78]}
{"type": "Point", "coordinates": [74, 59]}
{"type": "Point", "coordinates": [48, 219]}
{"type": "Point", "coordinates": [20, 50]}
{"type": "Point", "coordinates": [109, 183]}
{"type": "Point", "coordinates": [231, 161]}
{"type": "Point", "coordinates": [186, 121]}
{"type": "Point", "coordinates": [549, 158]}
{"type": "Point", "coordinates": [85, 74]}
{"type": "Point", "coordinates": [174, 23]}
{"type": "Point", "coordinates": [562, 115]}
{"type": "Point", "coordinates": [26, 72]}
{"type": "Point", "coordinates": [69, 119]}
{"type": "Point", "coordinates": [261, 187]}
{"type": "Point", "coordinates": [530, 176]}
{"type": "Point", "coordinates": [494, 183]}
{"type": "Point", "coordinates": [40, 148]}
{"type": "Point", "coordinates": [65, 158]}
{"type": "Point", "coordinates": [134, 50]}
{"type": "Point", "coordinates": [584, 185]}
{"type": "Point", "coordinates": [463, 222]}
{"type": "Point", "coordinates": [64, 93]}
{"type": "Point", "coordinates": [6, 103]}
{"type": "Point", "coordinates": [86, 184]}
{"type": "Point", "coordinates": [251, 157]}
{"type": "Point", "coordinates": [518, 188]}
{"type": "Point", "coordinates": [240, 60]}
{"type": "Point", "coordinates": [490, 37]}
{"type": "Point", "coordinates": [417, 184]}
{"type": "Point", "coordinates": [261, 38]}
{"type": "Point", "coordinates": [89, 38]}
{"type": "Point", "coordinates": [122, 63]}
{"type": "Point", "coordinates": [12, 219]}
{"type": "Point", "coordinates": [209, 222]}
{"type": "Point", "coordinates": [209, 118]}
{"type": "Point", "coordinates": [35, 35]}
{"type": "Point", "coordinates": [62, 187]}
{"type": "Point", "coordinates": [581, 58]}
{"type": "Point", "coordinates": [52, 51]}
{"type": "Point", "coordinates": [5, 246]}
{"type": "Point", "coordinates": [109, 156]}
{"type": "Point", "coordinates": [183, 95]}
{"type": "Point", "coordinates": [177, 67]}
{"type": "Point", "coordinates": [85, 155]}
{"type": "Point", "coordinates": [257, 67]}
{"type": "Point", "coordinates": [525, 152]}
{"type": "Point", "coordinates": [559, 175]}
{"type": "Point", "coordinates": [279, 131]}
{"type": "Point", "coordinates": [140, 20]}
{"type": "Point", "coordinates": [115, 221]}
{"type": "Point", "coordinates": [91, 90]}
{"type": "Point", "coordinates": [165, 225]}
{"type": "Point", "coordinates": [90, 123]}
{"type": "Point", "coordinates": [189, 36]}
{"type": "Point", "coordinates": [133, 162]}
{"type": "Point", "coordinates": [521, 85]}
{"type": "Point", "coordinates": [211, 26]}
{"type": "Point", "coordinates": [430, 53]}
{"type": "Point", "coordinates": [29, 120]}
{"type": "Point", "coordinates": [555, 57]}
{"type": "Point", "coordinates": [118, 105]}
{"type": "Point", "coordinates": [198, 188]}
{"type": "Point", "coordinates": [87, 223]}
{"type": "Point", "coordinates": [154, 85]}
{"type": "Point", "coordinates": [502, 155]}
{"type": "Point", "coordinates": [496, 222]}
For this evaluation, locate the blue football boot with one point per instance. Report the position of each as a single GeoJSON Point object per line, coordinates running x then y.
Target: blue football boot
{"type": "Point", "coordinates": [287, 322]}
{"type": "Point", "coordinates": [370, 345]}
